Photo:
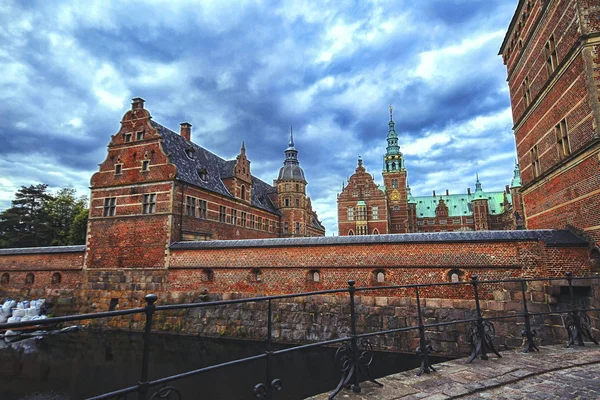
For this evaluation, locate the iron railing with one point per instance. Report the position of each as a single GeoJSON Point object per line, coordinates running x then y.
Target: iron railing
{"type": "Point", "coordinates": [355, 353]}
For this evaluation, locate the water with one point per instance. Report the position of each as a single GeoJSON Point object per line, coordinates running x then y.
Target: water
{"type": "Point", "coordinates": [78, 365]}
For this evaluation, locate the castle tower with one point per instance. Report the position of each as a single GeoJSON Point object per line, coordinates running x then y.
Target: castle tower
{"type": "Point", "coordinates": [394, 180]}
{"type": "Point", "coordinates": [481, 214]}
{"type": "Point", "coordinates": [291, 195]}
{"type": "Point", "coordinates": [412, 211]}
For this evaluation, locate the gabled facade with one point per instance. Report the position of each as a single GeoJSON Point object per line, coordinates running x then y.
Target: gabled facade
{"type": "Point", "coordinates": [157, 187]}
{"type": "Point", "coordinates": [551, 55]}
{"type": "Point", "coordinates": [365, 208]}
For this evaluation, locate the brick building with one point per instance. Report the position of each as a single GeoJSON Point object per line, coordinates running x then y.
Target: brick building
{"type": "Point", "coordinates": [364, 208]}
{"type": "Point", "coordinates": [552, 55]}
{"type": "Point", "coordinates": [157, 187]}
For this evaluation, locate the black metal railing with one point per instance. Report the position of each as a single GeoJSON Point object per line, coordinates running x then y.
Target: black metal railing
{"type": "Point", "coordinates": [355, 353]}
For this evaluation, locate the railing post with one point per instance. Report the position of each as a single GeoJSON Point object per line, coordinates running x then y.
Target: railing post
{"type": "Point", "coordinates": [423, 349]}
{"type": "Point", "coordinates": [574, 313]}
{"type": "Point", "coordinates": [150, 308]}
{"type": "Point", "coordinates": [354, 341]}
{"type": "Point", "coordinates": [266, 390]}
{"type": "Point", "coordinates": [480, 326]}
{"type": "Point", "coordinates": [530, 346]}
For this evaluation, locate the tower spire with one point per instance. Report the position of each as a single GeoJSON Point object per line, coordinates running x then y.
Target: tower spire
{"type": "Point", "coordinates": [291, 137]}
{"type": "Point", "coordinates": [391, 112]}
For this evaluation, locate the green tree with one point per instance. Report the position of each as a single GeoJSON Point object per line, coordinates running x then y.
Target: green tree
{"type": "Point", "coordinates": [25, 224]}
{"type": "Point", "coordinates": [78, 229]}
{"type": "Point", "coordinates": [61, 211]}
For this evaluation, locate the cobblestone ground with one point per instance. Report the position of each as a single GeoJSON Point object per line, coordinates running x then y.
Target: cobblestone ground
{"type": "Point", "coordinates": [553, 373]}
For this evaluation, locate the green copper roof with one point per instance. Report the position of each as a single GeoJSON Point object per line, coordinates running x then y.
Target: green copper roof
{"type": "Point", "coordinates": [411, 199]}
{"type": "Point", "coordinates": [459, 204]}
{"type": "Point", "coordinates": [516, 180]}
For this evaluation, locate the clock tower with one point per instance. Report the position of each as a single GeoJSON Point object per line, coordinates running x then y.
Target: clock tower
{"type": "Point", "coordinates": [394, 180]}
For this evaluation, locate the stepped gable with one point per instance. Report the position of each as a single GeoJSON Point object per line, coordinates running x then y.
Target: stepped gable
{"type": "Point", "coordinates": [550, 237]}
{"type": "Point", "coordinates": [190, 166]}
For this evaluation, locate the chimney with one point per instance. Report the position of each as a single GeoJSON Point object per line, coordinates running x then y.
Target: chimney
{"type": "Point", "coordinates": [507, 189]}
{"type": "Point", "coordinates": [186, 131]}
{"type": "Point", "coordinates": [469, 191]}
{"type": "Point", "coordinates": [434, 193]}
{"type": "Point", "coordinates": [137, 103]}
{"type": "Point", "coordinates": [447, 192]}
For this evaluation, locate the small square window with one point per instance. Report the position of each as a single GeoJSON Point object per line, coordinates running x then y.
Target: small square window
{"type": "Point", "coordinates": [139, 135]}
{"type": "Point", "coordinates": [145, 165]}
{"type": "Point", "coordinates": [118, 169]}
{"type": "Point", "coordinates": [127, 137]}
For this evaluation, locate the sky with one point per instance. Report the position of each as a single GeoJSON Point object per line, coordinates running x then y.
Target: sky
{"type": "Point", "coordinates": [247, 71]}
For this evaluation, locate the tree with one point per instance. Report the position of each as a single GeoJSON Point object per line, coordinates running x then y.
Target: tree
{"type": "Point", "coordinates": [61, 210]}
{"type": "Point", "coordinates": [25, 224]}
{"type": "Point", "coordinates": [78, 229]}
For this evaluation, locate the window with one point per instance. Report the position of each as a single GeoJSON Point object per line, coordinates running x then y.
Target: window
{"type": "Point", "coordinates": [286, 227]}
{"type": "Point", "coordinates": [419, 222]}
{"type": "Point", "coordinates": [379, 276]}
{"type": "Point", "coordinates": [110, 206]}
{"type": "Point", "coordinates": [243, 192]}
{"type": "Point", "coordinates": [189, 152]}
{"type": "Point", "coordinates": [145, 165]}
{"type": "Point", "coordinates": [29, 279]}
{"type": "Point", "coordinates": [297, 202]}
{"type": "Point", "coordinates": [139, 135]}
{"type": "Point", "coordinates": [127, 137]}
{"type": "Point", "coordinates": [287, 202]}
{"type": "Point", "coordinates": [243, 221]}
{"type": "Point", "coordinates": [259, 224]}
{"type": "Point", "coordinates": [297, 187]}
{"type": "Point", "coordinates": [350, 232]}
{"type": "Point", "coordinates": [457, 221]}
{"type": "Point", "coordinates": [455, 275]}
{"type": "Point", "coordinates": [203, 174]}
{"type": "Point", "coordinates": [56, 278]}
{"type": "Point", "coordinates": [256, 275]}
{"type": "Point", "coordinates": [361, 213]}
{"type": "Point", "coordinates": [222, 214]}
{"type": "Point", "coordinates": [526, 91]}
{"type": "Point", "coordinates": [252, 225]}
{"type": "Point", "coordinates": [207, 275]}
{"type": "Point", "coordinates": [550, 53]}
{"type": "Point", "coordinates": [5, 278]}
{"type": "Point", "coordinates": [562, 139]}
{"type": "Point", "coordinates": [190, 206]}
{"type": "Point", "coordinates": [202, 208]}
{"type": "Point", "coordinates": [396, 208]}
{"type": "Point", "coordinates": [271, 226]}
{"type": "Point", "coordinates": [233, 217]}
{"type": "Point", "coordinates": [394, 183]}
{"type": "Point", "coordinates": [430, 222]}
{"type": "Point", "coordinates": [314, 276]}
{"type": "Point", "coordinates": [535, 161]}
{"type": "Point", "coordinates": [355, 193]}
{"type": "Point", "coordinates": [149, 206]}
{"type": "Point", "coordinates": [442, 222]}
{"type": "Point", "coordinates": [375, 210]}
{"type": "Point", "coordinates": [118, 169]}
{"type": "Point", "coordinates": [469, 220]}
{"type": "Point", "coordinates": [297, 228]}
{"type": "Point", "coordinates": [375, 231]}
{"type": "Point", "coordinates": [350, 214]}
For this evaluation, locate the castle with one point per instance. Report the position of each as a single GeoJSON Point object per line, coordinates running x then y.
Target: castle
{"type": "Point", "coordinates": [158, 196]}
{"type": "Point", "coordinates": [364, 208]}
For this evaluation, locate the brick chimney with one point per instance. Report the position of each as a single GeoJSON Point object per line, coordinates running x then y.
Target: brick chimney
{"type": "Point", "coordinates": [447, 192]}
{"type": "Point", "coordinates": [507, 189]}
{"type": "Point", "coordinates": [469, 191]}
{"type": "Point", "coordinates": [137, 103]}
{"type": "Point", "coordinates": [434, 193]}
{"type": "Point", "coordinates": [186, 131]}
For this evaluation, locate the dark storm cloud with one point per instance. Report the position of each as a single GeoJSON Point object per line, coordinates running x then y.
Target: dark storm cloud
{"type": "Point", "coordinates": [247, 72]}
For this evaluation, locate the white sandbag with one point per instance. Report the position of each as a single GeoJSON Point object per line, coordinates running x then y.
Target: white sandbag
{"type": "Point", "coordinates": [33, 312]}
{"type": "Point", "coordinates": [18, 312]}
{"type": "Point", "coordinates": [3, 319]}
{"type": "Point", "coordinates": [13, 319]}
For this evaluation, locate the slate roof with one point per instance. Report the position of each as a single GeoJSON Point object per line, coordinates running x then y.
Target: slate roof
{"type": "Point", "coordinates": [217, 169]}
{"type": "Point", "coordinates": [550, 237]}
{"type": "Point", "coordinates": [459, 204]}
{"type": "Point", "coordinates": [43, 250]}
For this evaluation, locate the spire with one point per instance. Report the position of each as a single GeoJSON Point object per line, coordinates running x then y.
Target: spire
{"type": "Point", "coordinates": [411, 199]}
{"type": "Point", "coordinates": [479, 194]}
{"type": "Point", "coordinates": [516, 180]}
{"type": "Point", "coordinates": [291, 166]}
{"type": "Point", "coordinates": [291, 138]}
{"type": "Point", "coordinates": [391, 113]}
{"type": "Point", "coordinates": [243, 149]}
{"type": "Point", "coordinates": [393, 160]}
{"type": "Point", "coordinates": [359, 167]}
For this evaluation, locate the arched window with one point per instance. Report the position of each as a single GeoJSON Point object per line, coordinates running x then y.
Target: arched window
{"type": "Point", "coordinates": [314, 276]}
{"type": "Point", "coordinates": [455, 275]}
{"type": "Point", "coordinates": [375, 231]}
{"type": "Point", "coordinates": [208, 275]}
{"type": "Point", "coordinates": [350, 232]}
{"type": "Point", "coordinates": [29, 279]}
{"type": "Point", "coordinates": [56, 278]}
{"type": "Point", "coordinates": [379, 276]}
{"type": "Point", "coordinates": [5, 278]}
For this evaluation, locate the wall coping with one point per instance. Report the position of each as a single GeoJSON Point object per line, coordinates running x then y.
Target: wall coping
{"type": "Point", "coordinates": [550, 237]}
{"type": "Point", "coordinates": [43, 250]}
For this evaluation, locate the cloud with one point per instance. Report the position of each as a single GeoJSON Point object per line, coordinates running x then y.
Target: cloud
{"type": "Point", "coordinates": [247, 71]}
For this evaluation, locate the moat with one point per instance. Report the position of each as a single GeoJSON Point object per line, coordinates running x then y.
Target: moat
{"type": "Point", "coordinates": [87, 363]}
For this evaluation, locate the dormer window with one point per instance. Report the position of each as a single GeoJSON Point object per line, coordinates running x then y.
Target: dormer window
{"type": "Point", "coordinates": [189, 152]}
{"type": "Point", "coordinates": [139, 135]}
{"type": "Point", "coordinates": [203, 174]}
{"type": "Point", "coordinates": [118, 169]}
{"type": "Point", "coordinates": [127, 137]}
{"type": "Point", "coordinates": [145, 165]}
